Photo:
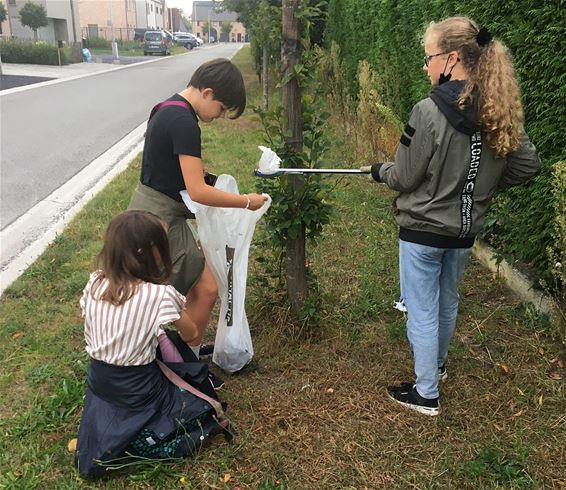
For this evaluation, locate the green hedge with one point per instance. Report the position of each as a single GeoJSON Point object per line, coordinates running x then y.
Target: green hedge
{"type": "Point", "coordinates": [387, 33]}
{"type": "Point", "coordinates": [40, 53]}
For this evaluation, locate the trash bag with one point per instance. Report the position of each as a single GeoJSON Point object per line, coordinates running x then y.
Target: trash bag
{"type": "Point", "coordinates": [87, 57]}
{"type": "Point", "coordinates": [225, 235]}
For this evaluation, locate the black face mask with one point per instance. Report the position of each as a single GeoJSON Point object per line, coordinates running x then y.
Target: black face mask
{"type": "Point", "coordinates": [446, 78]}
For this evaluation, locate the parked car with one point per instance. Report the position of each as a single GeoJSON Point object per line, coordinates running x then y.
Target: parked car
{"type": "Point", "coordinates": [185, 39]}
{"type": "Point", "coordinates": [200, 41]}
{"type": "Point", "coordinates": [156, 42]}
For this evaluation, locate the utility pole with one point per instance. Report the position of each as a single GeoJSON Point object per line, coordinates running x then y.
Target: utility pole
{"type": "Point", "coordinates": [208, 26]}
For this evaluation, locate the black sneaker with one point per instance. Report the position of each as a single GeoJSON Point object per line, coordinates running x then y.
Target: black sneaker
{"type": "Point", "coordinates": [217, 383]}
{"type": "Point", "coordinates": [206, 351]}
{"type": "Point", "coordinates": [442, 373]}
{"type": "Point", "coordinates": [407, 395]}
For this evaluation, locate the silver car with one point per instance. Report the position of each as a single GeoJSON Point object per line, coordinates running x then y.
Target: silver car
{"type": "Point", "coordinates": [156, 42]}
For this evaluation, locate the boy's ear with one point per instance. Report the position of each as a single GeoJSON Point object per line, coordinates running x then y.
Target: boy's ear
{"type": "Point", "coordinates": [207, 93]}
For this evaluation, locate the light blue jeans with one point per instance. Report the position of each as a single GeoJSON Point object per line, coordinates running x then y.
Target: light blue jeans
{"type": "Point", "coordinates": [429, 289]}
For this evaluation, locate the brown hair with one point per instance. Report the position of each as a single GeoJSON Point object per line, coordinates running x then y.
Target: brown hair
{"type": "Point", "coordinates": [226, 80]}
{"type": "Point", "coordinates": [135, 249]}
{"type": "Point", "coordinates": [491, 83]}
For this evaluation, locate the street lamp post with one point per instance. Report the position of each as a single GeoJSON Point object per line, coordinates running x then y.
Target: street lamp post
{"type": "Point", "coordinates": [208, 26]}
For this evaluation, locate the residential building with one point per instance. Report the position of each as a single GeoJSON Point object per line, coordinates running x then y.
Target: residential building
{"type": "Point", "coordinates": [205, 11]}
{"type": "Point", "coordinates": [62, 17]}
{"type": "Point", "coordinates": [107, 18]}
{"type": "Point", "coordinates": [151, 14]}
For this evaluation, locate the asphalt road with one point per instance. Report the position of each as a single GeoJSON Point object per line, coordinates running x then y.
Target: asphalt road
{"type": "Point", "coordinates": [49, 133]}
{"type": "Point", "coordinates": [11, 81]}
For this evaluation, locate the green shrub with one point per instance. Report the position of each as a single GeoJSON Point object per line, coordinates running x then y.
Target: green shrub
{"type": "Point", "coordinates": [387, 34]}
{"type": "Point", "coordinates": [98, 42]}
{"type": "Point", "coordinates": [26, 52]}
{"type": "Point", "coordinates": [129, 45]}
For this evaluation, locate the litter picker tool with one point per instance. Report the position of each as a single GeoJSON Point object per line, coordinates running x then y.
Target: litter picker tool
{"type": "Point", "coordinates": [270, 166]}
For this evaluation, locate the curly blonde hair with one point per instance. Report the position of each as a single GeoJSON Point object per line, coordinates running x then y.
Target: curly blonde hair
{"type": "Point", "coordinates": [491, 83]}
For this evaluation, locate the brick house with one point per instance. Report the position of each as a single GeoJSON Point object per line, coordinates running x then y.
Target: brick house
{"type": "Point", "coordinates": [204, 12]}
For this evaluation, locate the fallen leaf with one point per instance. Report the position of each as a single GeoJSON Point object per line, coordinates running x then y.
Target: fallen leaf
{"type": "Point", "coordinates": [504, 368]}
{"type": "Point", "coordinates": [182, 480]}
{"type": "Point", "coordinates": [17, 335]}
{"type": "Point", "coordinates": [519, 413]}
{"type": "Point", "coordinates": [561, 364]}
{"type": "Point", "coordinates": [226, 478]}
{"type": "Point", "coordinates": [540, 399]}
{"type": "Point", "coordinates": [330, 390]}
{"type": "Point", "coordinates": [556, 376]}
{"type": "Point", "coordinates": [497, 427]}
{"type": "Point", "coordinates": [553, 360]}
{"type": "Point", "coordinates": [541, 351]}
{"type": "Point", "coordinates": [72, 445]}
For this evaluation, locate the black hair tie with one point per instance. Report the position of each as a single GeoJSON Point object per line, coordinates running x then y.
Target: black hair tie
{"type": "Point", "coordinates": [483, 37]}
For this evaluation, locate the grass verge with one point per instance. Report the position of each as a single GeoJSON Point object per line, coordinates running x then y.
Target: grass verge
{"type": "Point", "coordinates": [312, 412]}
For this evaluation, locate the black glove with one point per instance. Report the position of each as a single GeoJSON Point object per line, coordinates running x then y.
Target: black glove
{"type": "Point", "coordinates": [375, 172]}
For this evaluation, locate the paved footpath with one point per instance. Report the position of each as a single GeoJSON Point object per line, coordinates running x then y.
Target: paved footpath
{"type": "Point", "coordinates": [51, 71]}
{"type": "Point", "coordinates": [16, 75]}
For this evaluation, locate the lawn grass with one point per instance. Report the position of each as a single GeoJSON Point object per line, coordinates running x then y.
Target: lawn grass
{"type": "Point", "coordinates": [311, 412]}
{"type": "Point", "coordinates": [137, 51]}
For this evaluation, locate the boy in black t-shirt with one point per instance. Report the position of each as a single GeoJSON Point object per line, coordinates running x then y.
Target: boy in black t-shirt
{"type": "Point", "coordinates": [172, 162]}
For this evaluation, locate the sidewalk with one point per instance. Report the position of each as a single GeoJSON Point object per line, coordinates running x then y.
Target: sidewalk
{"type": "Point", "coordinates": [50, 71]}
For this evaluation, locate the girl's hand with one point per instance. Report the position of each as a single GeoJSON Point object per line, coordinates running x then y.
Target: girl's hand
{"type": "Point", "coordinates": [256, 201]}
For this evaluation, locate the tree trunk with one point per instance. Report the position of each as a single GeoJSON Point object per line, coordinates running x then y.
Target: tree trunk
{"type": "Point", "coordinates": [290, 56]}
{"type": "Point", "coordinates": [265, 77]}
{"type": "Point", "coordinates": [35, 35]}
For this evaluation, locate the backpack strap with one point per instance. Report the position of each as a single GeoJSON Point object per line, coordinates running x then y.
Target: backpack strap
{"type": "Point", "coordinates": [181, 383]}
{"type": "Point", "coordinates": [166, 103]}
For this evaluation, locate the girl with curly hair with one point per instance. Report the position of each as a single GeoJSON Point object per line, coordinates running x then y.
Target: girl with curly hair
{"type": "Point", "coordinates": [462, 143]}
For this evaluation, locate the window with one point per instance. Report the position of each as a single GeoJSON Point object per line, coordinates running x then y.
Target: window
{"type": "Point", "coordinates": [151, 5]}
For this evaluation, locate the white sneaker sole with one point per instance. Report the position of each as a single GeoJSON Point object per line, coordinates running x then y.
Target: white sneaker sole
{"type": "Point", "coordinates": [430, 411]}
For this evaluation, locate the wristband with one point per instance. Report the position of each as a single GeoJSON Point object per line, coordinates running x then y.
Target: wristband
{"type": "Point", "coordinates": [248, 203]}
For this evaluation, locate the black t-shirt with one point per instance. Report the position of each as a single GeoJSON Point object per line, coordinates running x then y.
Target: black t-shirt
{"type": "Point", "coordinates": [171, 132]}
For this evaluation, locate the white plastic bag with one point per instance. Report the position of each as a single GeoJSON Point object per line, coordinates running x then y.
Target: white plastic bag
{"type": "Point", "coordinates": [225, 235]}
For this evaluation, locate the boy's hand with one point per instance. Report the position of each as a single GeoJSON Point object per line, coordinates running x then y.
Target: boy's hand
{"type": "Point", "coordinates": [256, 201]}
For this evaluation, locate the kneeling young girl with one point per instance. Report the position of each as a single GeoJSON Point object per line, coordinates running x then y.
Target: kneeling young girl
{"type": "Point", "coordinates": [136, 405]}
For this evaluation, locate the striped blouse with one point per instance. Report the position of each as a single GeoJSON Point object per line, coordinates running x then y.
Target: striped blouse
{"type": "Point", "coordinates": [126, 335]}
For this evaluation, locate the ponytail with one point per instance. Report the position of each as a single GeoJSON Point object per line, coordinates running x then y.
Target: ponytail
{"type": "Point", "coordinates": [491, 85]}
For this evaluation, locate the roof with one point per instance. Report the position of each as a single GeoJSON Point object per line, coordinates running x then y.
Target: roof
{"type": "Point", "coordinates": [202, 8]}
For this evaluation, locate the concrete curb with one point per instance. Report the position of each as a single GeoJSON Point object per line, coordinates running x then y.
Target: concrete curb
{"type": "Point", "coordinates": [519, 284]}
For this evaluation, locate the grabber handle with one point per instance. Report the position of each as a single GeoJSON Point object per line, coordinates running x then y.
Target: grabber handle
{"type": "Point", "coordinates": [366, 169]}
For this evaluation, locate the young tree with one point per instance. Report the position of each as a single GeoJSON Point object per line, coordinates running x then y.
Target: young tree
{"type": "Point", "coordinates": [225, 29]}
{"type": "Point", "coordinates": [206, 26]}
{"type": "Point", "coordinates": [291, 53]}
{"type": "Point", "coordinates": [34, 16]}
{"type": "Point", "coordinates": [266, 34]}
{"type": "Point", "coordinates": [3, 15]}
